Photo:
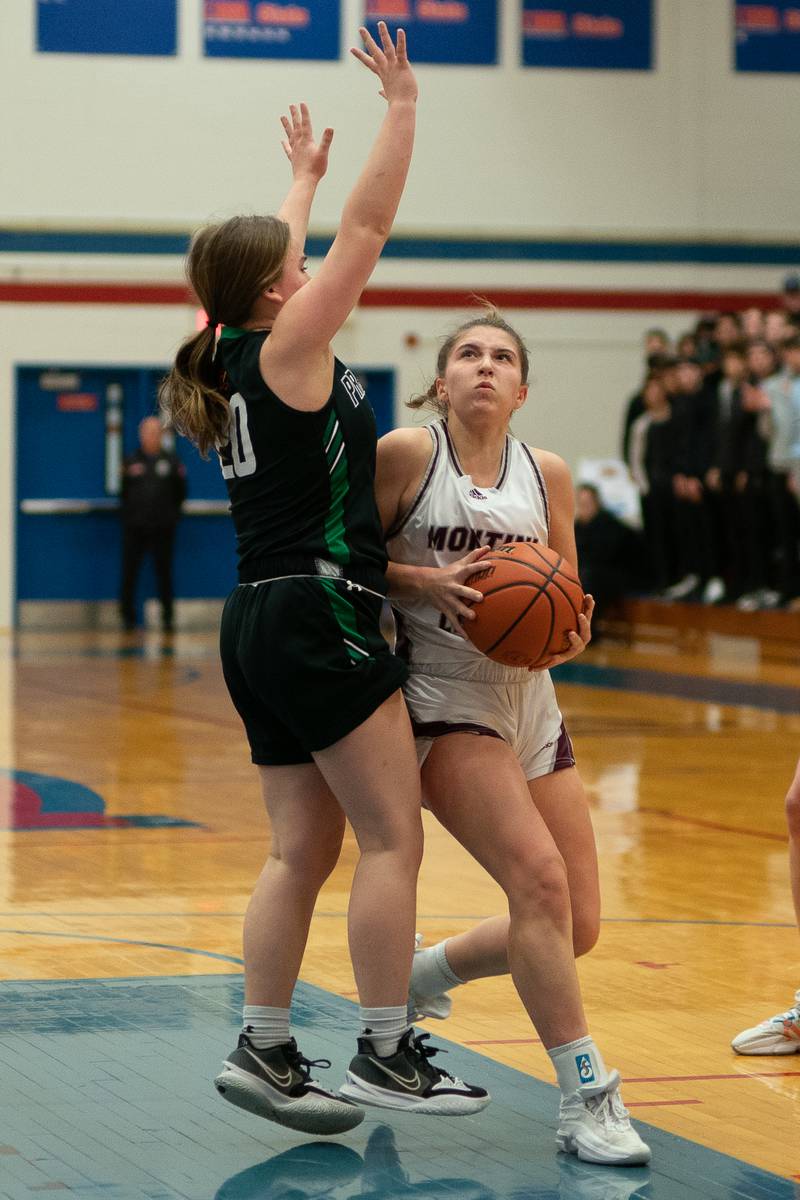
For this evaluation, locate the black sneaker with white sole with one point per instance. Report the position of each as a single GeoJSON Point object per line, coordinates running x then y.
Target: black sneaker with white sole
{"type": "Point", "coordinates": [408, 1080]}
{"type": "Point", "coordinates": [277, 1084]}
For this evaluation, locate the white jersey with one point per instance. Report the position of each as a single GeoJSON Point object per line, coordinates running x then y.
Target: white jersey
{"type": "Point", "coordinates": [449, 516]}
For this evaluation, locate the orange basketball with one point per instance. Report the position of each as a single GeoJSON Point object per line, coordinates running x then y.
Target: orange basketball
{"type": "Point", "coordinates": [531, 601]}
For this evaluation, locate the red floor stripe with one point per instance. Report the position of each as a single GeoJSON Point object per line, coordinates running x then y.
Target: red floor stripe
{"type": "Point", "coordinates": [693, 1078]}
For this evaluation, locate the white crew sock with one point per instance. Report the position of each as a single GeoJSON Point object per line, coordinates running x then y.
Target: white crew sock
{"type": "Point", "coordinates": [431, 973]}
{"type": "Point", "coordinates": [577, 1063]}
{"type": "Point", "coordinates": [384, 1027]}
{"type": "Point", "coordinates": [265, 1027]}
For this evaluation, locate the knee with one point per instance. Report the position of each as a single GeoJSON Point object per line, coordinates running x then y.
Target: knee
{"type": "Point", "coordinates": [312, 863]}
{"type": "Point", "coordinates": [399, 837]}
{"type": "Point", "coordinates": [793, 811]}
{"type": "Point", "coordinates": [539, 887]}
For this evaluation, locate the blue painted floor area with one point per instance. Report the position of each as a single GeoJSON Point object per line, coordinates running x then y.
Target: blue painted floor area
{"type": "Point", "coordinates": [771, 696]}
{"type": "Point", "coordinates": [107, 1094]}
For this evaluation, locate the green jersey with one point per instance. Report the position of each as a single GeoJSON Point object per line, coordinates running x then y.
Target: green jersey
{"type": "Point", "coordinates": [301, 484]}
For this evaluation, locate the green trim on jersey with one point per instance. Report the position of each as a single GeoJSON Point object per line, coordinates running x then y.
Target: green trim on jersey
{"type": "Point", "coordinates": [336, 456]}
{"type": "Point", "coordinates": [346, 619]}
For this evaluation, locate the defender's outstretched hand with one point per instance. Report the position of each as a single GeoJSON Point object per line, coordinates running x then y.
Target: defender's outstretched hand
{"type": "Point", "coordinates": [388, 62]}
{"type": "Point", "coordinates": [308, 158]}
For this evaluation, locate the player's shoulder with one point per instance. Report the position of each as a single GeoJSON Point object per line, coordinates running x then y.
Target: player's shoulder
{"type": "Point", "coordinates": [408, 447]}
{"type": "Point", "coordinates": [552, 466]}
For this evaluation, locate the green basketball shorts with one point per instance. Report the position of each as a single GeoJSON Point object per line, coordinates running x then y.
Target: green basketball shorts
{"type": "Point", "coordinates": [305, 663]}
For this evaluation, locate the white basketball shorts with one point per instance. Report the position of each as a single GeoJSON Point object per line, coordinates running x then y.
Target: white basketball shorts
{"type": "Point", "coordinates": [524, 714]}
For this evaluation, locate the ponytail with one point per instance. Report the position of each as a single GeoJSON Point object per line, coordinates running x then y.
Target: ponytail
{"type": "Point", "coordinates": [490, 317]}
{"type": "Point", "coordinates": [429, 399]}
{"type": "Point", "coordinates": [192, 396]}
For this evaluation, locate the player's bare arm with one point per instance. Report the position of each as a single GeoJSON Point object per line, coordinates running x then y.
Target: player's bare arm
{"type": "Point", "coordinates": [403, 457]}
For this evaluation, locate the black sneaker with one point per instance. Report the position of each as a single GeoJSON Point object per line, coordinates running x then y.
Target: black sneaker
{"type": "Point", "coordinates": [277, 1084]}
{"type": "Point", "coordinates": [408, 1080]}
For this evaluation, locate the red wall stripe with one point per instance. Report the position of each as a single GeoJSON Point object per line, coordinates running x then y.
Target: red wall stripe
{"type": "Point", "coordinates": [575, 299]}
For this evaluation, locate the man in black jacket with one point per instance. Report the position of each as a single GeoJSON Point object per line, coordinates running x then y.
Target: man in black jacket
{"type": "Point", "coordinates": [153, 490]}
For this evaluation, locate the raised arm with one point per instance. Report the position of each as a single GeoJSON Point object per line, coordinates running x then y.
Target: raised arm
{"type": "Point", "coordinates": [309, 161]}
{"type": "Point", "coordinates": [310, 318]}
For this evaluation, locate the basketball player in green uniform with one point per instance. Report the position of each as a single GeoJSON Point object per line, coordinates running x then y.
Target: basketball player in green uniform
{"type": "Point", "coordinates": [304, 660]}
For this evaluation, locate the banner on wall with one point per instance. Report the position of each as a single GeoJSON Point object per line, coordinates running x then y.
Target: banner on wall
{"type": "Point", "coordinates": [258, 29]}
{"type": "Point", "coordinates": [460, 32]}
{"type": "Point", "coordinates": [97, 27]}
{"type": "Point", "coordinates": [607, 35]}
{"type": "Point", "coordinates": [767, 36]}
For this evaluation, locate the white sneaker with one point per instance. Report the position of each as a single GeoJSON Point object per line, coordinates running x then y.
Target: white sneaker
{"type": "Point", "coordinates": [682, 588]}
{"type": "Point", "coordinates": [749, 602]}
{"type": "Point", "coordinates": [769, 598]}
{"type": "Point", "coordinates": [778, 1035]}
{"type": "Point", "coordinates": [595, 1126]}
{"type": "Point", "coordinates": [439, 1006]}
{"type": "Point", "coordinates": [714, 591]}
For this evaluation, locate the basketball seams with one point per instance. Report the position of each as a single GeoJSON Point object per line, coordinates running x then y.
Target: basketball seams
{"type": "Point", "coordinates": [521, 617]}
{"type": "Point", "coordinates": [528, 638]}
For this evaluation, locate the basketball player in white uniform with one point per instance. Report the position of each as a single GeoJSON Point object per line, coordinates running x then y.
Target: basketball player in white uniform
{"type": "Point", "coordinates": [781, 1034]}
{"type": "Point", "coordinates": [497, 765]}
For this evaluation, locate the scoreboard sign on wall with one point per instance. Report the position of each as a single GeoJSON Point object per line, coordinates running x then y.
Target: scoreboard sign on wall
{"type": "Point", "coordinates": [461, 32]}
{"type": "Point", "coordinates": [100, 27]}
{"type": "Point", "coordinates": [767, 36]}
{"type": "Point", "coordinates": [595, 35]}
{"type": "Point", "coordinates": [262, 29]}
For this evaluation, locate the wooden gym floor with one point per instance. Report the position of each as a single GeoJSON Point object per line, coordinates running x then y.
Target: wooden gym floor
{"type": "Point", "coordinates": [131, 833]}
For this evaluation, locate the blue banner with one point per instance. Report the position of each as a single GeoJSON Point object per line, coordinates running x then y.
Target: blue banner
{"type": "Point", "coordinates": [257, 29]}
{"type": "Point", "coordinates": [100, 27]}
{"type": "Point", "coordinates": [595, 35]}
{"type": "Point", "coordinates": [767, 36]}
{"type": "Point", "coordinates": [461, 32]}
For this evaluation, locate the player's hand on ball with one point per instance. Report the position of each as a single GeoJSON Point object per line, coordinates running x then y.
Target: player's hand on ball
{"type": "Point", "coordinates": [447, 591]}
{"type": "Point", "coordinates": [577, 641]}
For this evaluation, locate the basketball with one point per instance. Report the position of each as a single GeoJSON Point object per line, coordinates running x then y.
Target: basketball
{"type": "Point", "coordinates": [531, 601]}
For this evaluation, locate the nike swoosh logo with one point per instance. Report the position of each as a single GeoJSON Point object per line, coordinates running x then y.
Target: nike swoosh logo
{"type": "Point", "coordinates": [411, 1085]}
{"type": "Point", "coordinates": [280, 1080]}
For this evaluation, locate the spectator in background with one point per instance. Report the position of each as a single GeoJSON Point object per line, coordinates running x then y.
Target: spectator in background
{"type": "Point", "coordinates": [707, 352]}
{"type": "Point", "coordinates": [791, 295]}
{"type": "Point", "coordinates": [153, 490]}
{"type": "Point", "coordinates": [652, 459]}
{"type": "Point", "coordinates": [727, 331]}
{"type": "Point", "coordinates": [777, 400]}
{"type": "Point", "coordinates": [776, 328]}
{"type": "Point", "coordinates": [686, 345]}
{"type": "Point", "coordinates": [738, 479]}
{"type": "Point", "coordinates": [694, 412]}
{"type": "Point", "coordinates": [656, 347]}
{"type": "Point", "coordinates": [656, 341]}
{"type": "Point", "coordinates": [752, 323]}
{"type": "Point", "coordinates": [610, 553]}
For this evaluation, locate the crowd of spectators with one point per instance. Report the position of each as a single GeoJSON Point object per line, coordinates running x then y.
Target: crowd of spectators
{"type": "Point", "coordinates": [712, 442]}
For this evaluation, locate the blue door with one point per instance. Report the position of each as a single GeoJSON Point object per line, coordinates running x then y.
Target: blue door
{"type": "Point", "coordinates": [74, 424]}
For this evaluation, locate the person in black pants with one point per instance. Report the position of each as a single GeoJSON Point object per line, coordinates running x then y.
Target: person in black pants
{"type": "Point", "coordinates": [153, 490]}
